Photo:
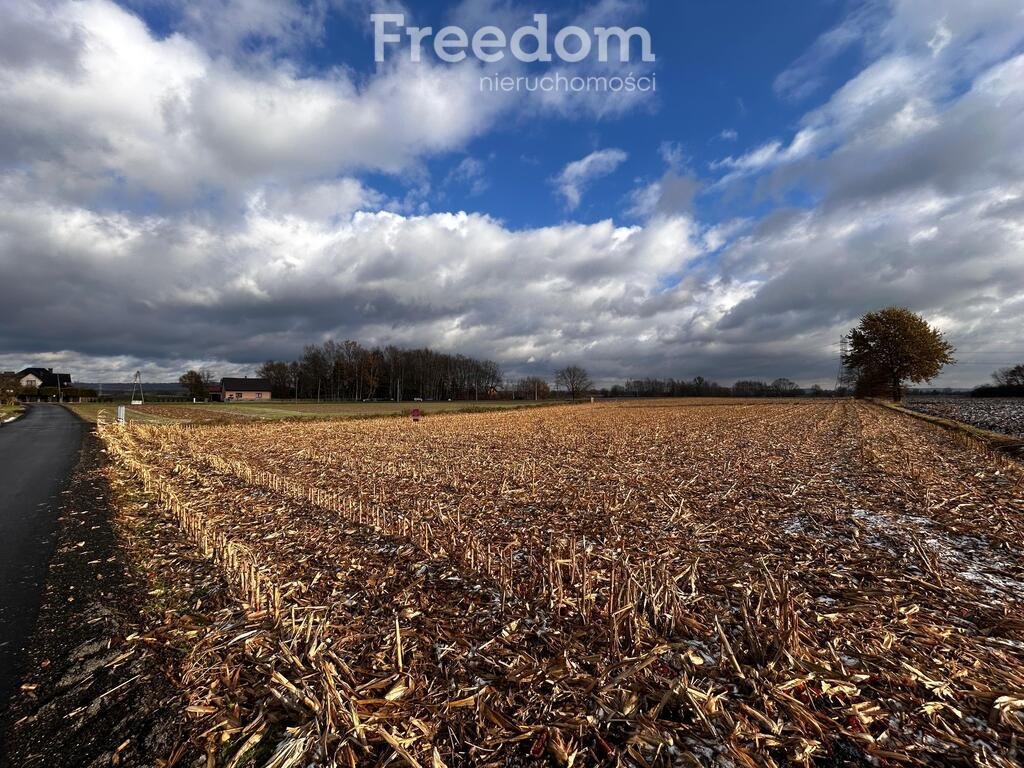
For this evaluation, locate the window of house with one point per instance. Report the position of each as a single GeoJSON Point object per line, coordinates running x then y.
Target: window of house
{"type": "Point", "coordinates": [259, 395]}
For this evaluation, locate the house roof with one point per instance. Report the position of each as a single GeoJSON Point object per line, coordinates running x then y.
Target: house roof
{"type": "Point", "coordinates": [46, 376]}
{"type": "Point", "coordinates": [245, 385]}
{"type": "Point", "coordinates": [39, 373]}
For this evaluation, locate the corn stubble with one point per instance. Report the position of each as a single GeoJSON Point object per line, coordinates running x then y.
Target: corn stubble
{"type": "Point", "coordinates": [642, 585]}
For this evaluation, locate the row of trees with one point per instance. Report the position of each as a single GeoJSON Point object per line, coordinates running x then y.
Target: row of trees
{"type": "Point", "coordinates": [701, 387]}
{"type": "Point", "coordinates": [349, 371]}
{"type": "Point", "coordinates": [887, 350]}
{"type": "Point", "coordinates": [1006, 382]}
{"type": "Point", "coordinates": [1009, 377]}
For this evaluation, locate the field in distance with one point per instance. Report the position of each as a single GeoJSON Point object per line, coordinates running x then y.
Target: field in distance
{"type": "Point", "coordinates": [658, 584]}
{"type": "Point", "coordinates": [171, 413]}
{"type": "Point", "coordinates": [1004, 415]}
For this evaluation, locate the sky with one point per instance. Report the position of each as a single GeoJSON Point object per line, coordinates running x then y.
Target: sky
{"type": "Point", "coordinates": [218, 184]}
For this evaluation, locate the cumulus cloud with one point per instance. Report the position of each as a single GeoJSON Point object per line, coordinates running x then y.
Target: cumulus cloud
{"type": "Point", "coordinates": [276, 281]}
{"type": "Point", "coordinates": [333, 200]}
{"type": "Point", "coordinates": [574, 179]}
{"type": "Point", "coordinates": [98, 105]}
{"type": "Point", "coordinates": [119, 112]}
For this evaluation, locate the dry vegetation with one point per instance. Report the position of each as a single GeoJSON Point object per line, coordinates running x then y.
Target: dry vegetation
{"type": "Point", "coordinates": [9, 410]}
{"type": "Point", "coordinates": [743, 584]}
{"type": "Point", "coordinates": [202, 413]}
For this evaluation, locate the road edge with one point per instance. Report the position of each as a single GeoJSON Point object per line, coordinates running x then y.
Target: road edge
{"type": "Point", "coordinates": [19, 415]}
{"type": "Point", "coordinates": [1003, 444]}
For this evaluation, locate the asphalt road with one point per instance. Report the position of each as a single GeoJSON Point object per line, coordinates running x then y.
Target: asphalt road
{"type": "Point", "coordinates": [37, 453]}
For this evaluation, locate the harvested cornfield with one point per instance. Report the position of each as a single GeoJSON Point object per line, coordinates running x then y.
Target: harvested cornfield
{"type": "Point", "coordinates": [780, 583]}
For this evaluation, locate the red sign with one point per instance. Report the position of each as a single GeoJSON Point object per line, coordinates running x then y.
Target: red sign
{"type": "Point", "coordinates": [416, 413]}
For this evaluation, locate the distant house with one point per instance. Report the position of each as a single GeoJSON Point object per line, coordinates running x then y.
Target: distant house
{"type": "Point", "coordinates": [244, 389]}
{"type": "Point", "coordinates": [34, 378]}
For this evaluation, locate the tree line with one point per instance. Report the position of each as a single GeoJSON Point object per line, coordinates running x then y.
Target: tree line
{"type": "Point", "coordinates": [1006, 382]}
{"type": "Point", "coordinates": [888, 349]}
{"type": "Point", "coordinates": [701, 387]}
{"type": "Point", "coordinates": [349, 371]}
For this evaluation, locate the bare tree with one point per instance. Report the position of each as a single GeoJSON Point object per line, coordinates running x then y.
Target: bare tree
{"type": "Point", "coordinates": [532, 388]}
{"type": "Point", "coordinates": [785, 388]}
{"type": "Point", "coordinates": [279, 374]}
{"type": "Point", "coordinates": [1009, 377]}
{"type": "Point", "coordinates": [574, 380]}
{"type": "Point", "coordinates": [373, 367]}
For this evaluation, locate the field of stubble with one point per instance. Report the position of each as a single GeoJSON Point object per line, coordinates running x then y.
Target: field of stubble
{"type": "Point", "coordinates": [817, 583]}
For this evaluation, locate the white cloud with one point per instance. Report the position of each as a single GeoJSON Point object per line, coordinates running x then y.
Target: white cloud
{"type": "Point", "coordinates": [95, 104]}
{"type": "Point", "coordinates": [470, 173]}
{"type": "Point", "coordinates": [769, 155]}
{"type": "Point", "coordinates": [579, 174]}
{"type": "Point", "coordinates": [919, 179]}
{"type": "Point", "coordinates": [279, 280]}
{"type": "Point", "coordinates": [806, 75]}
{"type": "Point", "coordinates": [953, 256]}
{"type": "Point", "coordinates": [673, 154]}
{"type": "Point", "coordinates": [319, 201]}
{"type": "Point", "coordinates": [229, 26]}
{"type": "Point", "coordinates": [121, 109]}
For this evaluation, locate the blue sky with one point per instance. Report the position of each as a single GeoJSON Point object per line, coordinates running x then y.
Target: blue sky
{"type": "Point", "coordinates": [220, 183]}
{"type": "Point", "coordinates": [715, 97]}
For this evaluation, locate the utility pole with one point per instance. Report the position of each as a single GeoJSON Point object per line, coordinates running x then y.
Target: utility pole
{"type": "Point", "coordinates": [841, 375]}
{"type": "Point", "coordinates": [137, 382]}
